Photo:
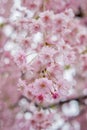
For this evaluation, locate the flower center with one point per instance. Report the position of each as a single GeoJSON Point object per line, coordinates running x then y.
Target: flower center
{"type": "Point", "coordinates": [43, 85]}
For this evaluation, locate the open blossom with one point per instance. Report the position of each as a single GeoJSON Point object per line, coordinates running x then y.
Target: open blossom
{"type": "Point", "coordinates": [41, 90]}
{"type": "Point", "coordinates": [41, 121]}
{"type": "Point", "coordinates": [47, 53]}
{"type": "Point", "coordinates": [32, 5]}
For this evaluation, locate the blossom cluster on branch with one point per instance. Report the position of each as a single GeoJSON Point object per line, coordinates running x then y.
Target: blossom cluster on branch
{"type": "Point", "coordinates": [43, 64]}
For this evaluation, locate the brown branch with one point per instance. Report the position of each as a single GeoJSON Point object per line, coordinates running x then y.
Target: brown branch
{"type": "Point", "coordinates": [79, 99]}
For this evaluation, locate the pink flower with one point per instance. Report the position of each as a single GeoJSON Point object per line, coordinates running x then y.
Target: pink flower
{"type": "Point", "coordinates": [55, 71]}
{"type": "Point", "coordinates": [47, 53]}
{"type": "Point", "coordinates": [42, 85]}
{"type": "Point", "coordinates": [20, 58]}
{"type": "Point", "coordinates": [41, 90]}
{"type": "Point", "coordinates": [42, 121]}
{"type": "Point", "coordinates": [46, 16]}
{"type": "Point", "coordinates": [63, 87]}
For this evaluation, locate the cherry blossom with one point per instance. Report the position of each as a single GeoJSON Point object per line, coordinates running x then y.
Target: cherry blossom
{"type": "Point", "coordinates": [43, 65]}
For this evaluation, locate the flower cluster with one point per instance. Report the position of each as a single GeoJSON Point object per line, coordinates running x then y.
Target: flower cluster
{"type": "Point", "coordinates": [43, 59]}
{"type": "Point", "coordinates": [45, 55]}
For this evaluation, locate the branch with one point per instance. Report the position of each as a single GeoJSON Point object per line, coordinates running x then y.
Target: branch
{"type": "Point", "coordinates": [80, 100]}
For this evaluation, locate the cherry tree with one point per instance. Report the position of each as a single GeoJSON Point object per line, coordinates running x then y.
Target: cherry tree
{"type": "Point", "coordinates": [43, 65]}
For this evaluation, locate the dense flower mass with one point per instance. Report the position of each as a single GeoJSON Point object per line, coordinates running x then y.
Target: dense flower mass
{"type": "Point", "coordinates": [43, 64]}
{"type": "Point", "coordinates": [44, 73]}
